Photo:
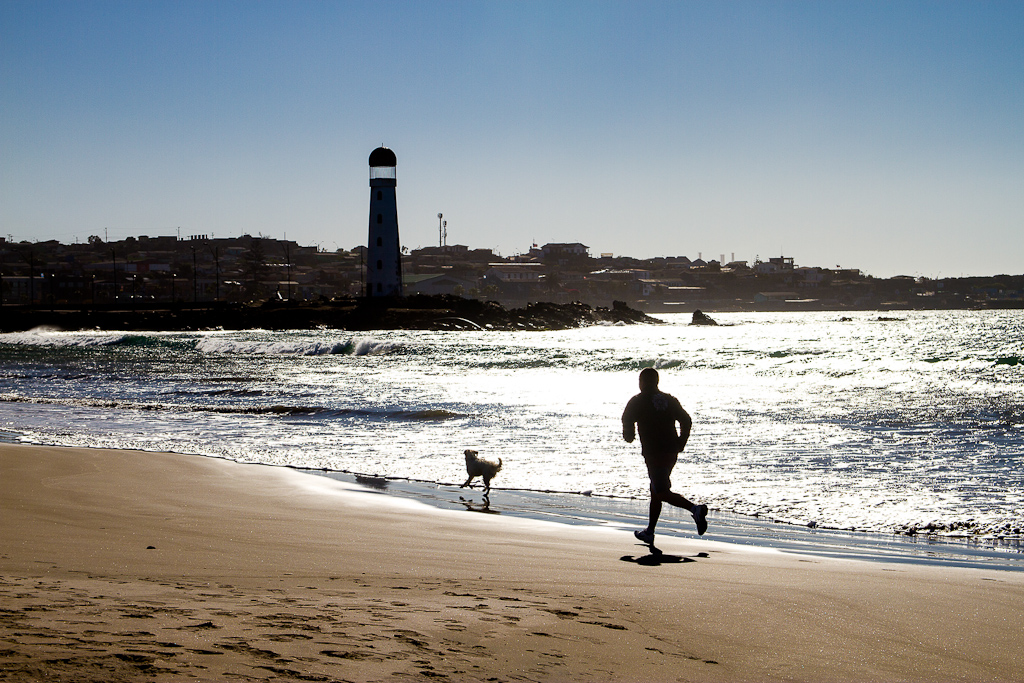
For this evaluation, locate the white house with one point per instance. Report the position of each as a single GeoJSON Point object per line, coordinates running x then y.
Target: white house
{"type": "Point", "coordinates": [515, 272]}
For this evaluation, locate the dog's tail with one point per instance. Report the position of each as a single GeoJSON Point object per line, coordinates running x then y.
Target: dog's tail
{"type": "Point", "coordinates": [499, 465]}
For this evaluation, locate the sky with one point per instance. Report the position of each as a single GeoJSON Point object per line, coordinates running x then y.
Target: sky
{"type": "Point", "coordinates": [884, 136]}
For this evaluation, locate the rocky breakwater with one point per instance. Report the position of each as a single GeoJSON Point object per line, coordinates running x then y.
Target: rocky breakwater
{"type": "Point", "coordinates": [421, 312]}
{"type": "Point", "coordinates": [417, 312]}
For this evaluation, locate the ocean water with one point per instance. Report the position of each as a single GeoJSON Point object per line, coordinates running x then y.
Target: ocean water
{"type": "Point", "coordinates": [887, 422]}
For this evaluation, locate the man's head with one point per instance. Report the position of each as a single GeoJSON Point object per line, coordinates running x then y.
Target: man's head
{"type": "Point", "coordinates": [648, 379]}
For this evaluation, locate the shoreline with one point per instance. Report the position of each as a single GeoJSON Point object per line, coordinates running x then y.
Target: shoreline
{"type": "Point", "coordinates": [121, 565]}
{"type": "Point", "coordinates": [626, 514]}
{"type": "Point", "coordinates": [623, 513]}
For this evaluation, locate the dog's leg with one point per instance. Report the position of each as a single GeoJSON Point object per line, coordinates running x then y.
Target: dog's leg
{"type": "Point", "coordinates": [467, 482]}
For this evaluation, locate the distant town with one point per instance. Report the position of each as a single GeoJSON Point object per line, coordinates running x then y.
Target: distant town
{"type": "Point", "coordinates": [155, 271]}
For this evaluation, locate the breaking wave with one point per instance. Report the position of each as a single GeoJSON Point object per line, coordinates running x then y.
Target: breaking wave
{"type": "Point", "coordinates": [216, 344]}
{"type": "Point", "coordinates": [431, 414]}
{"type": "Point", "coordinates": [51, 338]}
{"type": "Point", "coordinates": [44, 336]}
{"type": "Point", "coordinates": [352, 347]}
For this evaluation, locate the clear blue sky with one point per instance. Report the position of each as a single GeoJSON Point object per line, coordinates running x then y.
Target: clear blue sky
{"type": "Point", "coordinates": [886, 136]}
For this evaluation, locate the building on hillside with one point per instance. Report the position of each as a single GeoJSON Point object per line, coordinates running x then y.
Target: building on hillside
{"type": "Point", "coordinates": [563, 252]}
{"type": "Point", "coordinates": [781, 264]}
{"type": "Point", "coordinates": [765, 297]}
{"type": "Point", "coordinates": [809, 277]}
{"type": "Point", "coordinates": [620, 274]}
{"type": "Point", "coordinates": [515, 272]}
{"type": "Point", "coordinates": [439, 284]}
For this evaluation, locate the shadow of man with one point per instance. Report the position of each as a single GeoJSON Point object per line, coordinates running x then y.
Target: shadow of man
{"type": "Point", "coordinates": [656, 558]}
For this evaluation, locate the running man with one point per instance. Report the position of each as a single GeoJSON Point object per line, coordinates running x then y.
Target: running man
{"type": "Point", "coordinates": [654, 414]}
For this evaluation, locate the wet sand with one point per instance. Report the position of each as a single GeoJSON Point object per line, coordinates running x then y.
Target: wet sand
{"type": "Point", "coordinates": [119, 565]}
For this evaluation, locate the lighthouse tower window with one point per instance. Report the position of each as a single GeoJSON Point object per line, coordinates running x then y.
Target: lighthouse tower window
{"type": "Point", "coordinates": [380, 241]}
{"type": "Point", "coordinates": [380, 218]}
{"type": "Point", "coordinates": [380, 265]}
{"type": "Point", "coordinates": [380, 195]}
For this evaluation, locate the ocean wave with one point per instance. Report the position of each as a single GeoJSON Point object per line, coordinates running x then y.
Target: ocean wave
{"type": "Point", "coordinates": [43, 336]}
{"type": "Point", "coordinates": [37, 376]}
{"type": "Point", "coordinates": [578, 361]}
{"type": "Point", "coordinates": [796, 352]}
{"type": "Point", "coordinates": [52, 338]}
{"type": "Point", "coordinates": [352, 347]}
{"type": "Point", "coordinates": [218, 392]}
{"type": "Point", "coordinates": [431, 414]}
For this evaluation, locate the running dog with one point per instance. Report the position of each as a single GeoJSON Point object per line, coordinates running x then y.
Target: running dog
{"type": "Point", "coordinates": [478, 467]}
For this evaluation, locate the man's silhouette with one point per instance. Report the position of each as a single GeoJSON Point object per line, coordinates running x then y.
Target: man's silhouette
{"type": "Point", "coordinates": [654, 414]}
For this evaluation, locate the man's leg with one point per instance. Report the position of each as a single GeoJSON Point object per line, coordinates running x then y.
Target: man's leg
{"type": "Point", "coordinates": [652, 519]}
{"type": "Point", "coordinates": [673, 498]}
{"type": "Point", "coordinates": [661, 491]}
{"type": "Point", "coordinates": [660, 486]}
{"type": "Point", "coordinates": [699, 512]}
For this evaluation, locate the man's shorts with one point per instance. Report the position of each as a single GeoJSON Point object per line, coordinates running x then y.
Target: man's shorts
{"type": "Point", "coordinates": [659, 469]}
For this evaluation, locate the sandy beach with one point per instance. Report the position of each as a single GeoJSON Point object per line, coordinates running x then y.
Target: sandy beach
{"type": "Point", "coordinates": [121, 565]}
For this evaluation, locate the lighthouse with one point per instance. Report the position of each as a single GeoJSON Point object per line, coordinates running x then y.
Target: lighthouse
{"type": "Point", "coordinates": [384, 257]}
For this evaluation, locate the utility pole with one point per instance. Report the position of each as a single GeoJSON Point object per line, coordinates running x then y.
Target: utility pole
{"type": "Point", "coordinates": [288, 266]}
{"type": "Point", "coordinates": [440, 228]}
{"type": "Point", "coordinates": [216, 265]}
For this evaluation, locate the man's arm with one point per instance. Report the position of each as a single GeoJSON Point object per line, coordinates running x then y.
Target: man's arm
{"type": "Point", "coordinates": [629, 423]}
{"type": "Point", "coordinates": [685, 424]}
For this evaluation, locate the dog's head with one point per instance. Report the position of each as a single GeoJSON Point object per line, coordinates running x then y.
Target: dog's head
{"type": "Point", "coordinates": [470, 455]}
